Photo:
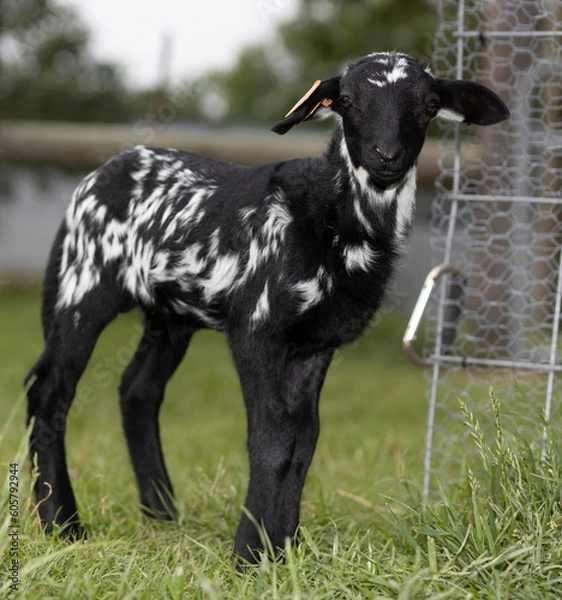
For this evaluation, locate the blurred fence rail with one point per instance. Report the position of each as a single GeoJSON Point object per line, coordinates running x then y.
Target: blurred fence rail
{"type": "Point", "coordinates": [84, 146]}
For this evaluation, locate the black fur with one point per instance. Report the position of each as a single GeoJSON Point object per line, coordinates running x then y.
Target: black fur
{"type": "Point", "coordinates": [290, 259]}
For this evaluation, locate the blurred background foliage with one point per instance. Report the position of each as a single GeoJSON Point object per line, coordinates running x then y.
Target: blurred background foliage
{"type": "Point", "coordinates": [48, 71]}
{"type": "Point", "coordinates": [266, 80]}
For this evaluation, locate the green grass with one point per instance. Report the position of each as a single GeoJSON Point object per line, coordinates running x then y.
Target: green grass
{"type": "Point", "coordinates": [495, 536]}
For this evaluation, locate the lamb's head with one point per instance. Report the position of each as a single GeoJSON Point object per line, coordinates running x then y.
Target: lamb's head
{"type": "Point", "coordinates": [385, 102]}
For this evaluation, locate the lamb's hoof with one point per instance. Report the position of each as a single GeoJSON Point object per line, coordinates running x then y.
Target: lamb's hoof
{"type": "Point", "coordinates": [71, 531]}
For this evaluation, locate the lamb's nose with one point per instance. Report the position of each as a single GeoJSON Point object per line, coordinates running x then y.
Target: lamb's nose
{"type": "Point", "coordinates": [387, 154]}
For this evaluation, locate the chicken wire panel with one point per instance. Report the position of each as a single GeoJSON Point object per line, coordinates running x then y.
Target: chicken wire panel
{"type": "Point", "coordinates": [497, 217]}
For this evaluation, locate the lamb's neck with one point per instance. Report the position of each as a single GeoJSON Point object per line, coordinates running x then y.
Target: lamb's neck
{"type": "Point", "coordinates": [365, 211]}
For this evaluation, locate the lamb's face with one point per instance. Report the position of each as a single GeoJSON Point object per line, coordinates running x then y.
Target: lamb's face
{"type": "Point", "coordinates": [386, 102]}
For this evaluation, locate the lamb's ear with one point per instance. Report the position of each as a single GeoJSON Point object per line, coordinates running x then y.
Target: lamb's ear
{"type": "Point", "coordinates": [318, 98]}
{"type": "Point", "coordinates": [470, 102]}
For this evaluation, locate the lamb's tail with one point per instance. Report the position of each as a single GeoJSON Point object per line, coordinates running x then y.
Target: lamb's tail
{"type": "Point", "coordinates": [51, 283]}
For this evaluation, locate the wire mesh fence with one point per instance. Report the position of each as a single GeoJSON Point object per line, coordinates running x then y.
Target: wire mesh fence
{"type": "Point", "coordinates": [497, 218]}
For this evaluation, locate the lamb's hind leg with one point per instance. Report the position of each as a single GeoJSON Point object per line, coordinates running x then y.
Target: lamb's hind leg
{"type": "Point", "coordinates": [72, 334]}
{"type": "Point", "coordinates": [160, 351]}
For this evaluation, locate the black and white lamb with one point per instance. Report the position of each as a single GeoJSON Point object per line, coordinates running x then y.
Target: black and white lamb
{"type": "Point", "coordinates": [291, 260]}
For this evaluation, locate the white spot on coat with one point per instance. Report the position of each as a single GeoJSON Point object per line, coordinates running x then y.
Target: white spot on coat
{"type": "Point", "coordinates": [360, 215]}
{"type": "Point", "coordinates": [358, 257]}
{"type": "Point", "coordinates": [398, 73]}
{"type": "Point", "coordinates": [214, 243]}
{"type": "Point", "coordinates": [378, 82]}
{"type": "Point", "coordinates": [310, 290]}
{"type": "Point", "coordinates": [256, 256]}
{"type": "Point", "coordinates": [261, 311]}
{"type": "Point", "coordinates": [113, 239]}
{"type": "Point", "coordinates": [273, 231]}
{"type": "Point", "coordinates": [191, 263]}
{"type": "Point", "coordinates": [187, 215]}
{"type": "Point", "coordinates": [246, 213]}
{"type": "Point", "coordinates": [184, 308]}
{"type": "Point", "coordinates": [222, 277]}
{"type": "Point", "coordinates": [358, 175]}
{"type": "Point", "coordinates": [406, 202]}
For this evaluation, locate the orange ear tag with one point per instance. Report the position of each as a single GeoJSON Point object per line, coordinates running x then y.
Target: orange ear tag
{"type": "Point", "coordinates": [313, 110]}
{"type": "Point", "coordinates": [326, 102]}
{"type": "Point", "coordinates": [305, 98]}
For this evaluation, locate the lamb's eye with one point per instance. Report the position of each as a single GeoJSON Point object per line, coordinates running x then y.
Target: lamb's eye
{"type": "Point", "coordinates": [346, 102]}
{"type": "Point", "coordinates": [432, 108]}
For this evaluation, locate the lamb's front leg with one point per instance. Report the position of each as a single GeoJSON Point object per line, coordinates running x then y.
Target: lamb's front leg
{"type": "Point", "coordinates": [303, 380]}
{"type": "Point", "coordinates": [272, 439]}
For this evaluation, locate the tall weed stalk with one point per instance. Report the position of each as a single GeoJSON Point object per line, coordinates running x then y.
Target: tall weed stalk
{"type": "Point", "coordinates": [500, 530]}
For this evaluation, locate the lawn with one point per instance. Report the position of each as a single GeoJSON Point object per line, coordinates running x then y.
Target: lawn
{"type": "Point", "coordinates": [365, 531]}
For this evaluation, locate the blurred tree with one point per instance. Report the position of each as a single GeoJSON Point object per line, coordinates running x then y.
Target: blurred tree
{"type": "Point", "coordinates": [324, 34]}
{"type": "Point", "coordinates": [47, 71]}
